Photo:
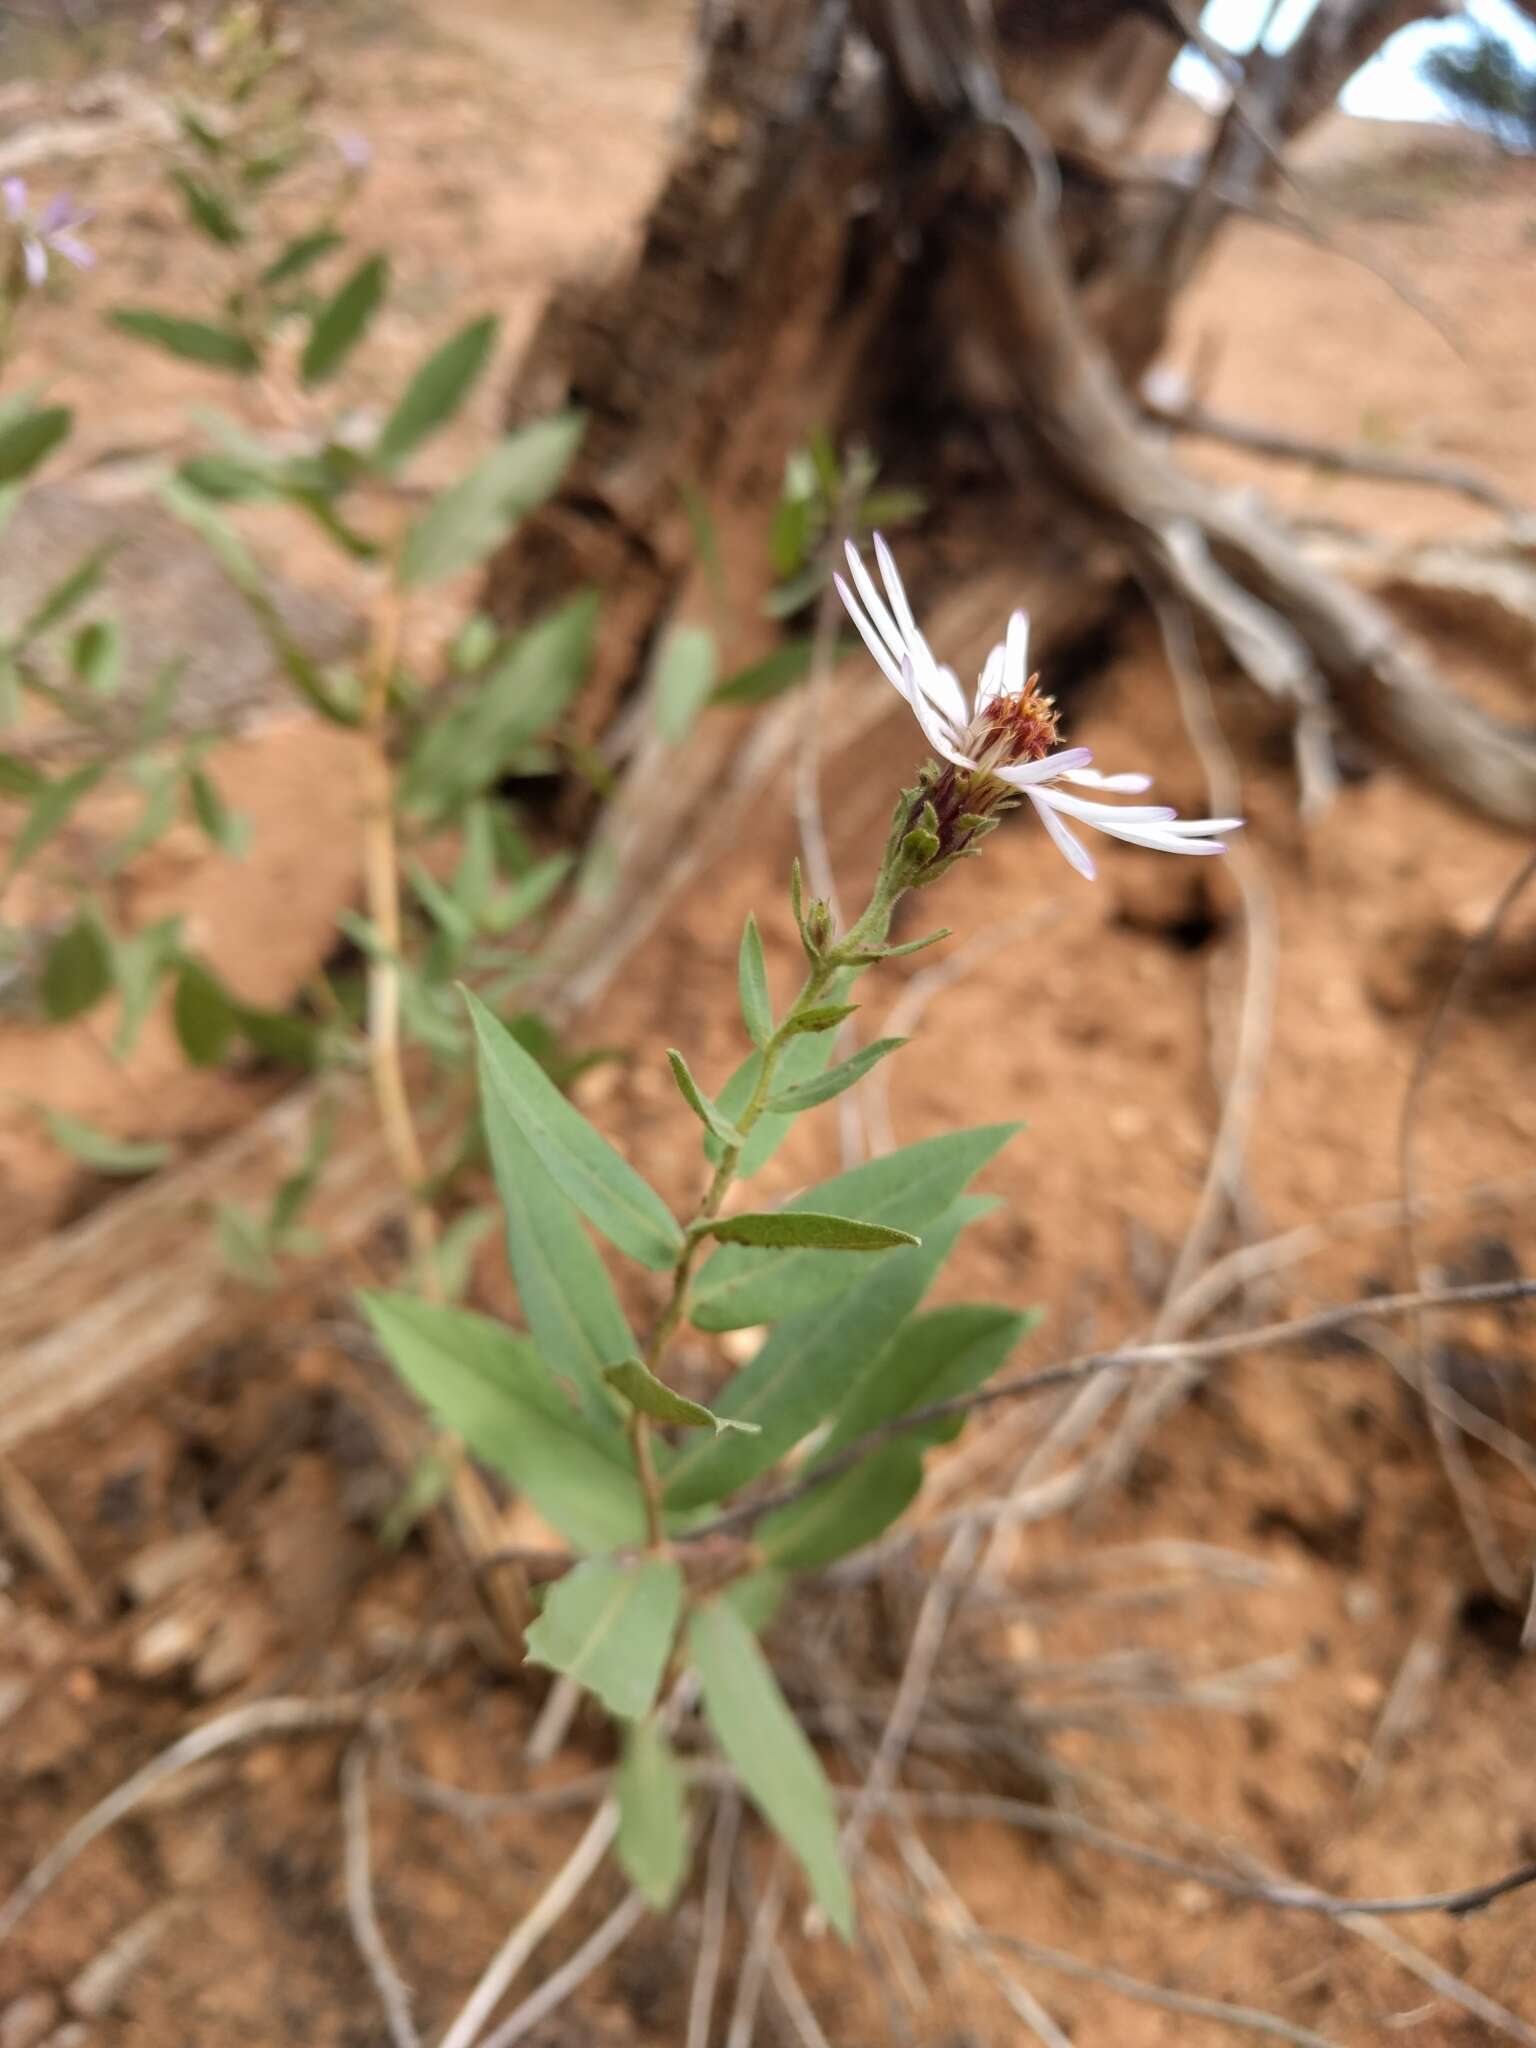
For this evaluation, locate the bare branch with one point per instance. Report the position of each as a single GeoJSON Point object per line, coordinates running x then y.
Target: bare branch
{"type": "Point", "coordinates": [366, 1932]}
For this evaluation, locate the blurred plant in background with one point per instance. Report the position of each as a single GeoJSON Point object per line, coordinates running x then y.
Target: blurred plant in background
{"type": "Point", "coordinates": [1487, 85]}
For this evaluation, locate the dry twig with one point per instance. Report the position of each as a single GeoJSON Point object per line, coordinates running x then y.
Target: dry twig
{"type": "Point", "coordinates": [572, 1974]}
{"type": "Point", "coordinates": [366, 1932]}
{"type": "Point", "coordinates": [717, 1890]}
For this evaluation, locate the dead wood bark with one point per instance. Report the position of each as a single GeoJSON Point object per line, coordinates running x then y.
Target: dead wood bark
{"type": "Point", "coordinates": [905, 224]}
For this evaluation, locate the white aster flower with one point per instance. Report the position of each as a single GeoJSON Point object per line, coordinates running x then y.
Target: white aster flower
{"type": "Point", "coordinates": [1003, 744]}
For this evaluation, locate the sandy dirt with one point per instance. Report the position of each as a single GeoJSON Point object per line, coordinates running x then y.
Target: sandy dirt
{"type": "Point", "coordinates": [523, 147]}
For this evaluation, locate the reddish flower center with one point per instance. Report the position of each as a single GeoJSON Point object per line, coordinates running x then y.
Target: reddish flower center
{"type": "Point", "coordinates": [1021, 728]}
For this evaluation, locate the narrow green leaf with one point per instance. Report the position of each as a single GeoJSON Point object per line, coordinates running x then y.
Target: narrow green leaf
{"type": "Point", "coordinates": [51, 808]}
{"type": "Point", "coordinates": [243, 1246]}
{"type": "Point", "coordinates": [653, 1397]}
{"type": "Point", "coordinates": [905, 1190]}
{"type": "Point", "coordinates": [803, 1056]}
{"type": "Point", "coordinates": [19, 777]}
{"type": "Point", "coordinates": [244, 572]}
{"type": "Point", "coordinates": [29, 437]}
{"type": "Point", "coordinates": [491, 1388]}
{"type": "Point", "coordinates": [204, 1016]}
{"type": "Point", "coordinates": [301, 254]}
{"type": "Point", "coordinates": [518, 699]}
{"type": "Point", "coordinates": [718, 1126]}
{"type": "Point", "coordinates": [101, 1152]}
{"type": "Point", "coordinates": [804, 1371]}
{"type": "Point", "coordinates": [564, 1292]}
{"type": "Point", "coordinates": [192, 341]}
{"type": "Point", "coordinates": [71, 590]}
{"type": "Point", "coordinates": [77, 971]}
{"type": "Point", "coordinates": [207, 211]}
{"type": "Point", "coordinates": [768, 678]}
{"type": "Point", "coordinates": [528, 894]}
{"type": "Point", "coordinates": [96, 656]}
{"type": "Point", "coordinates": [473, 517]}
{"type": "Point", "coordinates": [752, 984]}
{"type": "Point", "coordinates": [652, 1842]}
{"type": "Point", "coordinates": [140, 962]}
{"type": "Point", "coordinates": [789, 1101]}
{"type": "Point", "coordinates": [683, 674]}
{"type": "Point", "coordinates": [450, 1263]}
{"type": "Point", "coordinates": [945, 1353]}
{"type": "Point", "coordinates": [820, 1017]}
{"type": "Point", "coordinates": [775, 1228]}
{"type": "Point", "coordinates": [606, 1189]}
{"type": "Point", "coordinates": [281, 1036]}
{"type": "Point", "coordinates": [609, 1626]}
{"type": "Point", "coordinates": [437, 391]}
{"type": "Point", "coordinates": [214, 817]}
{"type": "Point", "coordinates": [769, 1752]}
{"type": "Point", "coordinates": [343, 320]}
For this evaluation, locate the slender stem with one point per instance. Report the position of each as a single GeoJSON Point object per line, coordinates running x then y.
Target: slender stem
{"type": "Point", "coordinates": [868, 931]}
{"type": "Point", "coordinates": [381, 866]}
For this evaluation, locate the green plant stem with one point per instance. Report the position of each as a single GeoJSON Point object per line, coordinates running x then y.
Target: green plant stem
{"type": "Point", "coordinates": [869, 930]}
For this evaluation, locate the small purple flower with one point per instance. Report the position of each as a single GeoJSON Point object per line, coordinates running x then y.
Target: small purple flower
{"type": "Point", "coordinates": [52, 232]}
{"type": "Point", "coordinates": [355, 151]}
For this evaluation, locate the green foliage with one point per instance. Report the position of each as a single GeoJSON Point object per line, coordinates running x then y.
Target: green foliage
{"type": "Point", "coordinates": [604, 1187]}
{"type": "Point", "coordinates": [102, 1153]}
{"type": "Point", "coordinates": [905, 1190]}
{"type": "Point", "coordinates": [752, 985]}
{"type": "Point", "coordinates": [77, 971]}
{"type": "Point", "coordinates": [1487, 84]}
{"type": "Point", "coordinates": [770, 1755]}
{"type": "Point", "coordinates": [472, 518]}
{"type": "Point", "coordinates": [437, 391]}
{"type": "Point", "coordinates": [493, 1390]}
{"type": "Point", "coordinates": [610, 1626]}
{"type": "Point", "coordinates": [719, 1127]}
{"type": "Point", "coordinates": [191, 341]}
{"type": "Point", "coordinates": [652, 1842]}
{"type": "Point", "coordinates": [650, 1396]}
{"type": "Point", "coordinates": [683, 676]}
{"type": "Point", "coordinates": [29, 437]}
{"type": "Point", "coordinates": [776, 1229]}
{"type": "Point", "coordinates": [342, 321]}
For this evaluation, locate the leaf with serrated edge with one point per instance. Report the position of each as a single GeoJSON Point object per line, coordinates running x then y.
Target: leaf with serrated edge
{"type": "Point", "coordinates": [652, 1841]}
{"type": "Point", "coordinates": [804, 1369]}
{"type": "Point", "coordinates": [773, 1228]}
{"type": "Point", "coordinates": [653, 1397]}
{"type": "Point", "coordinates": [769, 1753]}
{"type": "Point", "coordinates": [491, 1388]}
{"type": "Point", "coordinates": [738, 1287]}
{"type": "Point", "coordinates": [609, 1626]}
{"type": "Point", "coordinates": [606, 1189]}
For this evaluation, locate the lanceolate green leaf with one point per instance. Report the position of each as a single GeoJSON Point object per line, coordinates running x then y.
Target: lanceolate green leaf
{"type": "Point", "coordinates": [804, 1371]}
{"type": "Point", "coordinates": [30, 436]}
{"type": "Point", "coordinates": [204, 1015]}
{"type": "Point", "coordinates": [807, 1094]}
{"type": "Point", "coordinates": [475, 516]}
{"type": "Point", "coordinates": [562, 1288]}
{"type": "Point", "coordinates": [768, 1751]}
{"type": "Point", "coordinates": [652, 1842]}
{"type": "Point", "coordinates": [517, 700]}
{"type": "Point", "coordinates": [343, 320]}
{"type": "Point", "coordinates": [772, 1229]}
{"type": "Point", "coordinates": [50, 810]}
{"type": "Point", "coordinates": [491, 1388]}
{"type": "Point", "coordinates": [193, 341]}
{"type": "Point", "coordinates": [802, 1058]}
{"type": "Point", "coordinates": [653, 1397]}
{"type": "Point", "coordinates": [101, 1152]}
{"type": "Point", "coordinates": [752, 980]}
{"type": "Point", "coordinates": [904, 1189]}
{"type": "Point", "coordinates": [77, 971]}
{"type": "Point", "coordinates": [608, 1191]}
{"type": "Point", "coordinates": [437, 391]}
{"type": "Point", "coordinates": [948, 1351]}
{"type": "Point", "coordinates": [609, 1625]}
{"type": "Point", "coordinates": [684, 673]}
{"type": "Point", "coordinates": [708, 1115]}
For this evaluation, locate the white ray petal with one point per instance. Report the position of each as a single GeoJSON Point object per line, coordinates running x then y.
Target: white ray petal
{"type": "Point", "coordinates": [1110, 814]}
{"type": "Point", "coordinates": [1125, 785]}
{"type": "Point", "coordinates": [942, 688]}
{"type": "Point", "coordinates": [937, 729]}
{"type": "Point", "coordinates": [991, 682]}
{"type": "Point", "coordinates": [1065, 838]}
{"type": "Point", "coordinates": [1016, 659]}
{"type": "Point", "coordinates": [1024, 773]}
{"type": "Point", "coordinates": [873, 602]}
{"type": "Point", "coordinates": [877, 647]}
{"type": "Point", "coordinates": [895, 589]}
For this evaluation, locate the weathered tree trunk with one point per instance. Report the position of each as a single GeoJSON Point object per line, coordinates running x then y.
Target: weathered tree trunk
{"type": "Point", "coordinates": [921, 224]}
